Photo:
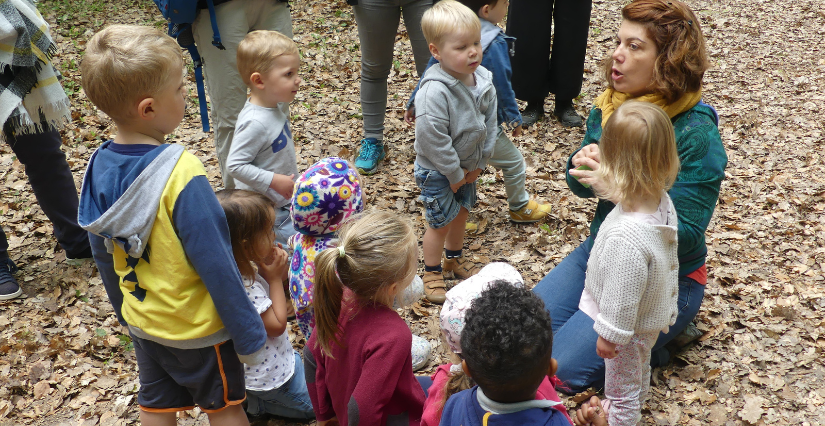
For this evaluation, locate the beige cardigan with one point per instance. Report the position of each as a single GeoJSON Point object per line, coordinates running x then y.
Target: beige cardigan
{"type": "Point", "coordinates": [633, 275]}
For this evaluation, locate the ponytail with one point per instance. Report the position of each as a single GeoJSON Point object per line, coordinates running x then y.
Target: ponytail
{"type": "Point", "coordinates": [375, 250]}
{"type": "Point", "coordinates": [329, 292]}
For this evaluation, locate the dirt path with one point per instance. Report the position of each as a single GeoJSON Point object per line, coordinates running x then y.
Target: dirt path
{"type": "Point", "coordinates": [65, 360]}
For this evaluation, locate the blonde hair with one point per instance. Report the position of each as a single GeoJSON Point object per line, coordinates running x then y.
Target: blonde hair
{"type": "Point", "coordinates": [125, 64]}
{"type": "Point", "coordinates": [639, 158]}
{"type": "Point", "coordinates": [448, 17]}
{"type": "Point", "coordinates": [375, 250]}
{"type": "Point", "coordinates": [250, 215]}
{"type": "Point", "coordinates": [258, 51]}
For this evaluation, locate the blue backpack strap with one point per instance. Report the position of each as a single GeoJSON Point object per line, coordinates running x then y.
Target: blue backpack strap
{"type": "Point", "coordinates": [216, 35]}
{"type": "Point", "coordinates": [183, 34]}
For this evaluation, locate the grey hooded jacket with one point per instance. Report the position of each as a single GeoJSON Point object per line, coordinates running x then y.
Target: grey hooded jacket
{"type": "Point", "coordinates": [453, 129]}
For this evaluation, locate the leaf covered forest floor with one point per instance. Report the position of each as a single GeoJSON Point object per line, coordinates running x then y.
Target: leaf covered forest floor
{"type": "Point", "coordinates": [64, 360]}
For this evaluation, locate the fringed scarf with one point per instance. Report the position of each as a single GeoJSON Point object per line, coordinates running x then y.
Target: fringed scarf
{"type": "Point", "coordinates": [31, 96]}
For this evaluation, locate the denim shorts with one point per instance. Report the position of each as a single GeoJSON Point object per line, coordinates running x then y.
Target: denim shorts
{"type": "Point", "coordinates": [174, 379]}
{"type": "Point", "coordinates": [440, 203]}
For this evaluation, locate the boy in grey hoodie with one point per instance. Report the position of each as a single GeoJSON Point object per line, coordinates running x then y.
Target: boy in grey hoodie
{"type": "Point", "coordinates": [455, 133]}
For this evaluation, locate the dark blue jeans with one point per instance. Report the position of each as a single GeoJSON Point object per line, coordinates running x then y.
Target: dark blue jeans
{"type": "Point", "coordinates": [574, 340]}
{"type": "Point", "coordinates": [53, 186]}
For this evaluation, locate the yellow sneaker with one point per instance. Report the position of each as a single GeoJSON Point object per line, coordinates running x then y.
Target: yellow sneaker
{"type": "Point", "coordinates": [532, 212]}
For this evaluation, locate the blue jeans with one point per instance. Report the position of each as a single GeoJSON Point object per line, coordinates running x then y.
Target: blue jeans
{"type": "Point", "coordinates": [284, 229]}
{"type": "Point", "coordinates": [574, 340]}
{"type": "Point", "coordinates": [290, 400]}
{"type": "Point", "coordinates": [441, 204]}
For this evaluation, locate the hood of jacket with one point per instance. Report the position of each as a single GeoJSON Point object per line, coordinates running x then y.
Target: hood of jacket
{"type": "Point", "coordinates": [489, 32]}
{"type": "Point", "coordinates": [128, 222]}
{"type": "Point", "coordinates": [484, 78]}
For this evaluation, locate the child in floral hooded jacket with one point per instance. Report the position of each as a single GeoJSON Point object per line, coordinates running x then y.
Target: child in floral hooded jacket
{"type": "Point", "coordinates": [326, 196]}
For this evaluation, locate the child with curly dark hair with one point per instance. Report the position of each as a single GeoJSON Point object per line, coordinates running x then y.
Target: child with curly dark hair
{"type": "Point", "coordinates": [507, 342]}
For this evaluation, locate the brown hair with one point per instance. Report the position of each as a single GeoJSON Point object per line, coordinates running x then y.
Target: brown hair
{"type": "Point", "coordinates": [250, 216]}
{"type": "Point", "coordinates": [682, 58]}
{"type": "Point", "coordinates": [125, 64]}
{"type": "Point", "coordinates": [258, 51]}
{"type": "Point", "coordinates": [374, 251]}
{"type": "Point", "coordinates": [638, 151]}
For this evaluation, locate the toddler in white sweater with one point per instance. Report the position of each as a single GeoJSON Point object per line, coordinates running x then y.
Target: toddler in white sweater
{"type": "Point", "coordinates": [631, 287]}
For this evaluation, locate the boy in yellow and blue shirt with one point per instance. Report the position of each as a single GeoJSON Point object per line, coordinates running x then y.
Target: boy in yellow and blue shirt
{"type": "Point", "coordinates": [160, 237]}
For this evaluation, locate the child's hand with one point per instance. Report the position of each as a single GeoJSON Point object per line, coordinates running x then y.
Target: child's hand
{"type": "Point", "coordinates": [472, 176]}
{"type": "Point", "coordinates": [606, 349]}
{"type": "Point", "coordinates": [283, 185]}
{"type": "Point", "coordinates": [517, 131]}
{"type": "Point", "coordinates": [274, 266]}
{"type": "Point", "coordinates": [409, 115]}
{"type": "Point", "coordinates": [456, 186]}
{"type": "Point", "coordinates": [590, 413]}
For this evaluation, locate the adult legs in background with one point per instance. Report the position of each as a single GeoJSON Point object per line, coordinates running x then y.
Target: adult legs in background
{"type": "Point", "coordinates": [537, 71]}
{"type": "Point", "coordinates": [529, 22]}
{"type": "Point", "coordinates": [377, 22]}
{"type": "Point", "coordinates": [227, 92]}
{"type": "Point", "coordinates": [53, 186]}
{"type": "Point", "coordinates": [571, 22]}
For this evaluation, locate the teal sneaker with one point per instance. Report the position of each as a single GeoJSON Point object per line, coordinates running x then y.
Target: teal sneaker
{"type": "Point", "coordinates": [372, 152]}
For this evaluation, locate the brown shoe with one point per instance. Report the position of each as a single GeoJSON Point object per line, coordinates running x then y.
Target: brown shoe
{"type": "Point", "coordinates": [461, 267]}
{"type": "Point", "coordinates": [435, 290]}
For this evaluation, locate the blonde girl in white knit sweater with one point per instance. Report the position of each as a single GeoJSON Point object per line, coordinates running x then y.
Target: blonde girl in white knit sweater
{"type": "Point", "coordinates": [631, 286]}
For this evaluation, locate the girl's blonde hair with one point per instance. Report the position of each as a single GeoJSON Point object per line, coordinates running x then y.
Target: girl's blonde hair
{"type": "Point", "coordinates": [375, 250]}
{"type": "Point", "coordinates": [250, 216]}
{"type": "Point", "coordinates": [639, 158]}
{"type": "Point", "coordinates": [448, 17]}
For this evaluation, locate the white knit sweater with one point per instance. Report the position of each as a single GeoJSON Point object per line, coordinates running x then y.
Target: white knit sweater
{"type": "Point", "coordinates": [633, 275]}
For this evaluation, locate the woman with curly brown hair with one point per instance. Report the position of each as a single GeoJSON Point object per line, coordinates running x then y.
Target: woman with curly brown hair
{"type": "Point", "coordinates": [660, 58]}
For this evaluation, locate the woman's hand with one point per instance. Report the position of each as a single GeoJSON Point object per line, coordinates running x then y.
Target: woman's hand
{"type": "Point", "coordinates": [589, 156]}
{"type": "Point", "coordinates": [606, 349]}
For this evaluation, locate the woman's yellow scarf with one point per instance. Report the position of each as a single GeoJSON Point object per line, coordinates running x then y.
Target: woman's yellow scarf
{"type": "Point", "coordinates": [610, 99]}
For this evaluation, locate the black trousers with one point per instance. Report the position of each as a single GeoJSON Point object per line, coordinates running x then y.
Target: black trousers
{"type": "Point", "coordinates": [536, 70]}
{"type": "Point", "coordinates": [53, 185]}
